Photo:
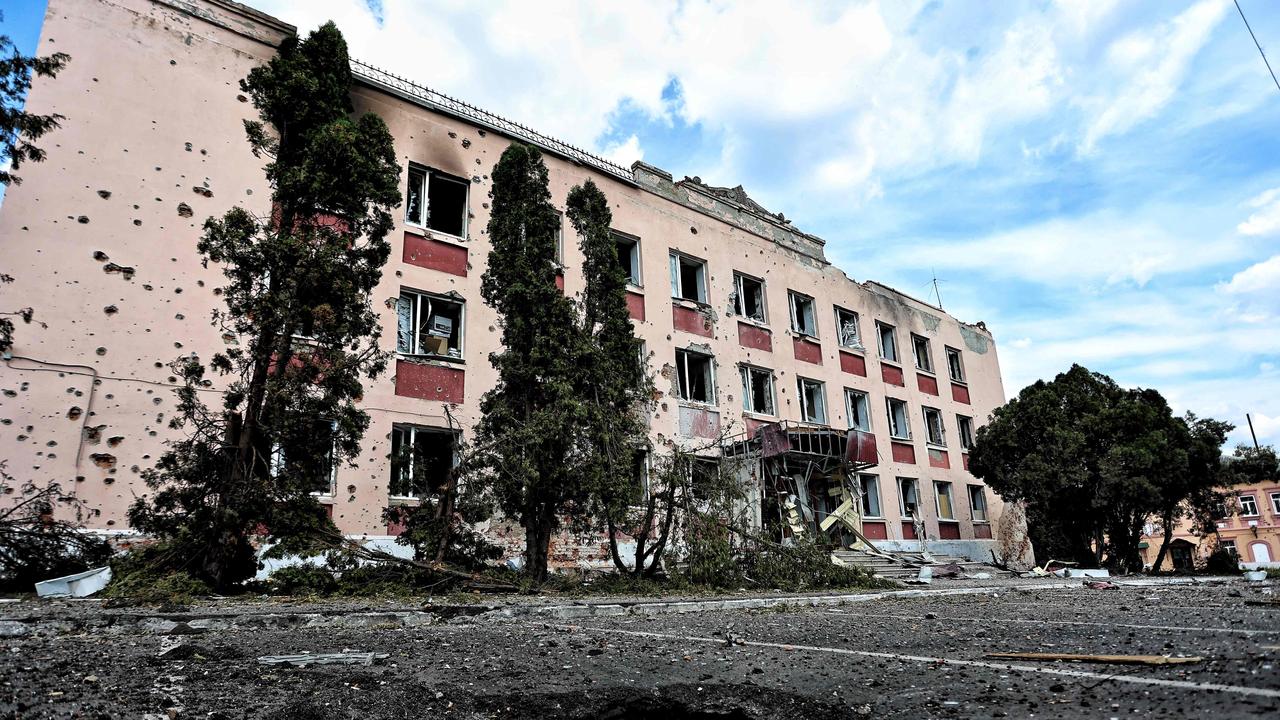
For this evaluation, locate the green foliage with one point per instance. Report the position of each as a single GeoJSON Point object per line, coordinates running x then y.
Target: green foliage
{"type": "Point", "coordinates": [425, 531]}
{"type": "Point", "coordinates": [40, 540]}
{"type": "Point", "coordinates": [1222, 562]}
{"type": "Point", "coordinates": [804, 566]}
{"type": "Point", "coordinates": [1093, 462]}
{"type": "Point", "coordinates": [1249, 466]}
{"type": "Point", "coordinates": [154, 574]}
{"type": "Point", "coordinates": [19, 130]}
{"type": "Point", "coordinates": [302, 580]}
{"type": "Point", "coordinates": [527, 438]}
{"type": "Point", "coordinates": [710, 556]}
{"type": "Point", "coordinates": [298, 303]}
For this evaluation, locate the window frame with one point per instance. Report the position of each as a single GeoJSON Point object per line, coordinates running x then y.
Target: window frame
{"type": "Point", "coordinates": [820, 394]}
{"type": "Point", "coordinates": [952, 370]}
{"type": "Point", "coordinates": [276, 460]}
{"type": "Point", "coordinates": [416, 327]}
{"type": "Point", "coordinates": [745, 372]}
{"type": "Point", "coordinates": [881, 327]}
{"type": "Point", "coordinates": [916, 342]}
{"type": "Point", "coordinates": [941, 441]}
{"type": "Point", "coordinates": [964, 427]}
{"type": "Point", "coordinates": [413, 430]}
{"type": "Point", "coordinates": [682, 361]}
{"type": "Point", "coordinates": [675, 259]}
{"type": "Point", "coordinates": [871, 480]}
{"type": "Point", "coordinates": [978, 491]}
{"type": "Point", "coordinates": [1229, 545]}
{"type": "Point", "coordinates": [906, 418]}
{"type": "Point", "coordinates": [849, 393]}
{"type": "Point", "coordinates": [426, 171]}
{"type": "Point", "coordinates": [739, 302]}
{"type": "Point", "coordinates": [856, 345]}
{"type": "Point", "coordinates": [792, 297]}
{"type": "Point", "coordinates": [1275, 503]}
{"type": "Point", "coordinates": [903, 484]}
{"type": "Point", "coordinates": [635, 279]}
{"type": "Point", "coordinates": [941, 489]}
{"type": "Point", "coordinates": [1240, 500]}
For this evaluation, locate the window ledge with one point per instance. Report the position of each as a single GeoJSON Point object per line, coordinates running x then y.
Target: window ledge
{"type": "Point", "coordinates": [805, 336]}
{"type": "Point", "coordinates": [922, 371]}
{"type": "Point", "coordinates": [634, 288]}
{"type": "Point", "coordinates": [697, 404]}
{"type": "Point", "coordinates": [948, 520]}
{"type": "Point", "coordinates": [981, 522]}
{"type": "Point", "coordinates": [875, 518]}
{"type": "Point", "coordinates": [935, 446]}
{"type": "Point", "coordinates": [899, 439]}
{"type": "Point", "coordinates": [403, 501]}
{"type": "Point", "coordinates": [859, 351]}
{"type": "Point", "coordinates": [753, 323]}
{"type": "Point", "coordinates": [958, 382]}
{"type": "Point", "coordinates": [891, 363]}
{"type": "Point", "coordinates": [758, 416]}
{"type": "Point", "coordinates": [691, 304]}
{"type": "Point", "coordinates": [435, 235]}
{"type": "Point", "coordinates": [324, 498]}
{"type": "Point", "coordinates": [440, 360]}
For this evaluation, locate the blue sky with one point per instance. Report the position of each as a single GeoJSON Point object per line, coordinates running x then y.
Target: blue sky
{"type": "Point", "coordinates": [1098, 180]}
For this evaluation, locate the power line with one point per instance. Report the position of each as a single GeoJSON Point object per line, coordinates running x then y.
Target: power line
{"type": "Point", "coordinates": [1259, 45]}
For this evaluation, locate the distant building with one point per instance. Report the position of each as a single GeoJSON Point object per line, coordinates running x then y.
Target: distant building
{"type": "Point", "coordinates": [1249, 528]}
{"type": "Point", "coordinates": [746, 323]}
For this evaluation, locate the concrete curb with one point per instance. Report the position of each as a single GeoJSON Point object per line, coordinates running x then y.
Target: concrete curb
{"type": "Point", "coordinates": [199, 623]}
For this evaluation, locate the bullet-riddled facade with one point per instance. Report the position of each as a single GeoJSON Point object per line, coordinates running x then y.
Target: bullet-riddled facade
{"type": "Point", "coordinates": [745, 322]}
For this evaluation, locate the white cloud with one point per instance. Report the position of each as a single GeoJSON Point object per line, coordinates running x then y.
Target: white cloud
{"type": "Point", "coordinates": [1266, 219]}
{"type": "Point", "coordinates": [1257, 278]}
{"type": "Point", "coordinates": [624, 153]}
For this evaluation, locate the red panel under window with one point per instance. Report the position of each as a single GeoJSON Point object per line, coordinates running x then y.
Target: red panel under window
{"type": "Point", "coordinates": [948, 530]}
{"type": "Point", "coordinates": [982, 532]}
{"type": "Point", "coordinates": [635, 306]}
{"type": "Point", "coordinates": [903, 452]}
{"type": "Point", "coordinates": [892, 375]}
{"type": "Point", "coordinates": [807, 350]}
{"type": "Point", "coordinates": [396, 522]}
{"type": "Point", "coordinates": [960, 393]}
{"type": "Point", "coordinates": [435, 254]}
{"type": "Point", "coordinates": [756, 338]}
{"type": "Point", "coordinates": [927, 384]}
{"type": "Point", "coordinates": [690, 321]}
{"type": "Point", "coordinates": [853, 364]}
{"type": "Point", "coordinates": [908, 530]}
{"type": "Point", "coordinates": [964, 458]}
{"type": "Point", "coordinates": [861, 447]}
{"type": "Point", "coordinates": [875, 530]}
{"type": "Point", "coordinates": [754, 424]}
{"type": "Point", "coordinates": [429, 382]}
{"type": "Point", "coordinates": [939, 458]}
{"type": "Point", "coordinates": [560, 281]}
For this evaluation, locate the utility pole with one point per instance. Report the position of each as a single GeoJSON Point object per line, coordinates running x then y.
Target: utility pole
{"type": "Point", "coordinates": [936, 292]}
{"type": "Point", "coordinates": [1251, 432]}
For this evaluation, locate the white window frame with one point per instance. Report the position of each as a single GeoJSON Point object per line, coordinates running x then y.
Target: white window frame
{"type": "Point", "coordinates": [635, 279]}
{"type": "Point", "coordinates": [1253, 503]}
{"type": "Point", "coordinates": [560, 240]}
{"type": "Point", "coordinates": [942, 488]}
{"type": "Point", "coordinates": [792, 298]}
{"type": "Point", "coordinates": [894, 430]}
{"type": "Point", "coordinates": [952, 371]}
{"type": "Point", "coordinates": [941, 438]}
{"type": "Point", "coordinates": [924, 363]}
{"type": "Point", "coordinates": [676, 259]}
{"type": "Point", "coordinates": [418, 298]}
{"type": "Point", "coordinates": [964, 426]}
{"type": "Point", "coordinates": [1229, 545]}
{"type": "Point", "coordinates": [1275, 503]}
{"type": "Point", "coordinates": [903, 484]}
{"type": "Point", "coordinates": [870, 481]}
{"type": "Point", "coordinates": [820, 393]}
{"type": "Point", "coordinates": [849, 405]}
{"type": "Point", "coordinates": [892, 331]}
{"type": "Point", "coordinates": [413, 430]}
{"type": "Point", "coordinates": [746, 371]}
{"type": "Point", "coordinates": [978, 509]}
{"type": "Point", "coordinates": [739, 298]}
{"type": "Point", "coordinates": [682, 359]}
{"type": "Point", "coordinates": [426, 172]}
{"type": "Point", "coordinates": [853, 342]}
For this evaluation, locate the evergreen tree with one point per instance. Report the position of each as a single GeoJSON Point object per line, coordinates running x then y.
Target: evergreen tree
{"type": "Point", "coordinates": [298, 301]}
{"type": "Point", "coordinates": [527, 440]}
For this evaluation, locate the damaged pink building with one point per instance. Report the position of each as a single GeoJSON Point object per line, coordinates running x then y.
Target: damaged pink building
{"type": "Point", "coordinates": [856, 402]}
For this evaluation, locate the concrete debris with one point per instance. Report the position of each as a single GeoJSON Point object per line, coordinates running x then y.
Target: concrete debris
{"type": "Point", "coordinates": [81, 584]}
{"type": "Point", "coordinates": [1101, 659]}
{"type": "Point", "coordinates": [305, 659]}
{"type": "Point", "coordinates": [1255, 575]}
{"type": "Point", "coordinates": [1100, 585]}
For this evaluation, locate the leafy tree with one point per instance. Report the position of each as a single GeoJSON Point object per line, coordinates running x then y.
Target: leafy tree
{"type": "Point", "coordinates": [1251, 465]}
{"type": "Point", "coordinates": [527, 441]}
{"type": "Point", "coordinates": [298, 301]}
{"type": "Point", "coordinates": [1190, 491]}
{"type": "Point", "coordinates": [19, 131]}
{"type": "Point", "coordinates": [612, 382]}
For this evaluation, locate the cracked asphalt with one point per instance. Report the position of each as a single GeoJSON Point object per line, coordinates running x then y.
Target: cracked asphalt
{"type": "Point", "coordinates": [889, 657]}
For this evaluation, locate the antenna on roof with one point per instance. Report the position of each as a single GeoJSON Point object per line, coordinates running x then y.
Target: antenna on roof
{"type": "Point", "coordinates": [936, 292]}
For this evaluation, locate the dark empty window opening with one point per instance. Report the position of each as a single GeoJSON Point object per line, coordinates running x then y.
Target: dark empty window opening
{"type": "Point", "coordinates": [688, 278]}
{"type": "Point", "coordinates": [748, 297]}
{"type": "Point", "coordinates": [847, 329]}
{"type": "Point", "coordinates": [899, 428]}
{"type": "Point", "coordinates": [888, 343]}
{"type": "Point", "coordinates": [942, 498]}
{"type": "Point", "coordinates": [908, 496]}
{"type": "Point", "coordinates": [937, 434]}
{"type": "Point", "coordinates": [436, 201]}
{"type": "Point", "coordinates": [802, 317]}
{"type": "Point", "coordinates": [978, 503]}
{"type": "Point", "coordinates": [757, 390]}
{"type": "Point", "coordinates": [629, 256]}
{"type": "Point", "coordinates": [694, 371]}
{"type": "Point", "coordinates": [955, 365]}
{"type": "Point", "coordinates": [704, 476]}
{"type": "Point", "coordinates": [421, 460]}
{"type": "Point", "coordinates": [313, 456]}
{"type": "Point", "coordinates": [869, 488]}
{"type": "Point", "coordinates": [429, 325]}
{"type": "Point", "coordinates": [924, 357]}
{"type": "Point", "coordinates": [858, 409]}
{"type": "Point", "coordinates": [965, 426]}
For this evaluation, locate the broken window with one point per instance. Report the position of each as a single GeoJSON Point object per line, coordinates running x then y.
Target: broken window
{"type": "Point", "coordinates": [813, 401]}
{"type": "Point", "coordinates": [978, 502]}
{"type": "Point", "coordinates": [757, 390]}
{"type": "Point", "coordinates": [748, 297]}
{"type": "Point", "coordinates": [640, 477]}
{"type": "Point", "coordinates": [703, 476]}
{"type": "Point", "coordinates": [694, 371]}
{"type": "Point", "coordinates": [856, 405]}
{"type": "Point", "coordinates": [688, 278]}
{"type": "Point", "coordinates": [936, 434]}
{"type": "Point", "coordinates": [869, 487]}
{"type": "Point", "coordinates": [899, 428]}
{"type": "Point", "coordinates": [908, 496]}
{"type": "Point", "coordinates": [847, 329]}
{"type": "Point", "coordinates": [316, 458]}
{"type": "Point", "coordinates": [802, 317]}
{"type": "Point", "coordinates": [1247, 505]}
{"type": "Point", "coordinates": [888, 344]}
{"type": "Point", "coordinates": [955, 366]}
{"type": "Point", "coordinates": [965, 426]}
{"type": "Point", "coordinates": [436, 201]}
{"type": "Point", "coordinates": [421, 460]}
{"type": "Point", "coordinates": [924, 357]}
{"type": "Point", "coordinates": [628, 256]}
{"type": "Point", "coordinates": [942, 496]}
{"type": "Point", "coordinates": [429, 325]}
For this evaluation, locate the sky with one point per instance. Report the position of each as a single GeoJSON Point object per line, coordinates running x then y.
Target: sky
{"type": "Point", "coordinates": [1097, 180]}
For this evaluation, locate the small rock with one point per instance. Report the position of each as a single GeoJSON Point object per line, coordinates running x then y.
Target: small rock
{"type": "Point", "coordinates": [91, 678]}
